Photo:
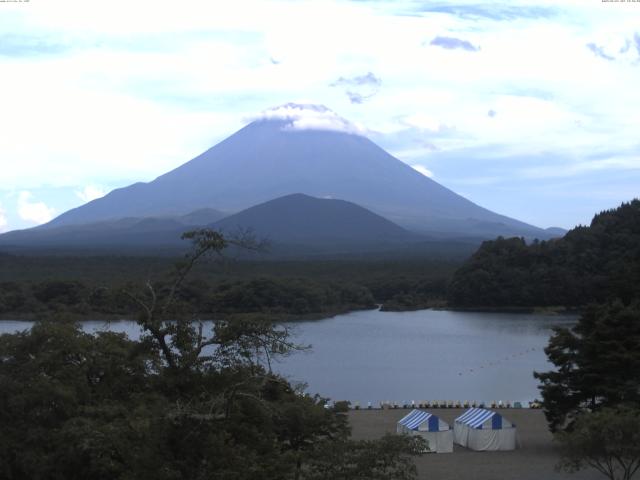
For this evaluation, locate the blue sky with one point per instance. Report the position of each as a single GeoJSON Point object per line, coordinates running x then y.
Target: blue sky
{"type": "Point", "coordinates": [531, 109]}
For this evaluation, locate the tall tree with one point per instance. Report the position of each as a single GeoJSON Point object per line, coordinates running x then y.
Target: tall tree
{"type": "Point", "coordinates": [597, 364]}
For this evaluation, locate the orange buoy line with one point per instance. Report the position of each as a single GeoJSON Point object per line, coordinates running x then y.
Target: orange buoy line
{"type": "Point", "coordinates": [393, 405]}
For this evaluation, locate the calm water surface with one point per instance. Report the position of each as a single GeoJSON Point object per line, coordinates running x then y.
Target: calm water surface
{"type": "Point", "coordinates": [373, 356]}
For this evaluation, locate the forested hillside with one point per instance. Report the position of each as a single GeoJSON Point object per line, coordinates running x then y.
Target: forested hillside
{"type": "Point", "coordinates": [589, 264]}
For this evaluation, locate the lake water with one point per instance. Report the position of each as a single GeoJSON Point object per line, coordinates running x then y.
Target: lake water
{"type": "Point", "coordinates": [373, 356]}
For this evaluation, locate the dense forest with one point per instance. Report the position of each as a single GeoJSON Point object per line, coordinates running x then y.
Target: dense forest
{"type": "Point", "coordinates": [180, 403]}
{"type": "Point", "coordinates": [34, 287]}
{"type": "Point", "coordinates": [590, 264]}
{"type": "Point", "coordinates": [259, 295]}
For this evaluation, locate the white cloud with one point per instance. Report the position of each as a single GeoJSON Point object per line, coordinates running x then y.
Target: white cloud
{"type": "Point", "coordinates": [627, 163]}
{"type": "Point", "coordinates": [35, 212]}
{"type": "Point", "coordinates": [90, 192]}
{"type": "Point", "coordinates": [3, 220]}
{"type": "Point", "coordinates": [130, 97]}
{"type": "Point", "coordinates": [423, 122]}
{"type": "Point", "coordinates": [309, 117]}
{"type": "Point", "coordinates": [423, 170]}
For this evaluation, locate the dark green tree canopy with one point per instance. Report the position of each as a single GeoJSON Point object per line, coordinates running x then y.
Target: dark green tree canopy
{"type": "Point", "coordinates": [181, 403]}
{"type": "Point", "coordinates": [597, 364]}
{"type": "Point", "coordinates": [589, 264]}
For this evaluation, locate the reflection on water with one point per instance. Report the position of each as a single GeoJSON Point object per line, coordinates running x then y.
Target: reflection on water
{"type": "Point", "coordinates": [402, 356]}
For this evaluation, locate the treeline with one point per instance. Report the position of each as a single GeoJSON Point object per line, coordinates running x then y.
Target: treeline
{"type": "Point", "coordinates": [96, 287]}
{"type": "Point", "coordinates": [410, 293]}
{"type": "Point", "coordinates": [588, 265]}
{"type": "Point", "coordinates": [275, 296]}
{"type": "Point", "coordinates": [113, 269]}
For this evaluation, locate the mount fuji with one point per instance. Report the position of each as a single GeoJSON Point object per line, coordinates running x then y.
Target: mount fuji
{"type": "Point", "coordinates": [301, 149]}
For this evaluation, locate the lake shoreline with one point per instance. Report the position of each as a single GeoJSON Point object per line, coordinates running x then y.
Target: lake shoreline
{"type": "Point", "coordinates": [548, 310]}
{"type": "Point", "coordinates": [100, 316]}
{"type": "Point", "coordinates": [374, 356]}
{"type": "Point", "coordinates": [305, 317]}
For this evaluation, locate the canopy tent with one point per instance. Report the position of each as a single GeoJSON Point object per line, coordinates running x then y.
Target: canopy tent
{"type": "Point", "coordinates": [480, 429]}
{"type": "Point", "coordinates": [436, 432]}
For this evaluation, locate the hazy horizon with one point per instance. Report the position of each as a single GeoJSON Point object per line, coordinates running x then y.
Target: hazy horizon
{"type": "Point", "coordinates": [526, 108]}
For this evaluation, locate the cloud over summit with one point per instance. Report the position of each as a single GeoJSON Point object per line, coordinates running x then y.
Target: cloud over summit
{"type": "Point", "coordinates": [309, 117]}
{"type": "Point", "coordinates": [425, 76]}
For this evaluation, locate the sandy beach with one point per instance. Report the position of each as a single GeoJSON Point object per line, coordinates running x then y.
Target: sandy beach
{"type": "Point", "coordinates": [534, 460]}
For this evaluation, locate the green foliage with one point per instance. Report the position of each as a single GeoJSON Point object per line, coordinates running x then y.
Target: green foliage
{"type": "Point", "coordinates": [77, 406]}
{"type": "Point", "coordinates": [12, 297]}
{"type": "Point", "coordinates": [181, 403]}
{"type": "Point", "coordinates": [389, 457]}
{"type": "Point", "coordinates": [607, 440]}
{"type": "Point", "coordinates": [285, 290]}
{"type": "Point", "coordinates": [589, 264]}
{"type": "Point", "coordinates": [296, 296]}
{"type": "Point", "coordinates": [65, 292]}
{"type": "Point", "coordinates": [278, 296]}
{"type": "Point", "coordinates": [62, 395]}
{"type": "Point", "coordinates": [416, 281]}
{"type": "Point", "coordinates": [410, 293]}
{"type": "Point", "coordinates": [597, 364]}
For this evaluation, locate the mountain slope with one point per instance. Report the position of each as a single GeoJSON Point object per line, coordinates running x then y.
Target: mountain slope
{"type": "Point", "coordinates": [279, 155]}
{"type": "Point", "coordinates": [295, 225]}
{"type": "Point", "coordinates": [124, 232]}
{"type": "Point", "coordinates": [301, 219]}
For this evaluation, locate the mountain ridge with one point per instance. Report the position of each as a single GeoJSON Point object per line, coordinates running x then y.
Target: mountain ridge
{"type": "Point", "coordinates": [295, 224]}
{"type": "Point", "coordinates": [300, 218]}
{"type": "Point", "coordinates": [316, 153]}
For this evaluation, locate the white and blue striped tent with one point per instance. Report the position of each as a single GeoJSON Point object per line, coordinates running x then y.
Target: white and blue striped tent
{"type": "Point", "coordinates": [481, 429]}
{"type": "Point", "coordinates": [436, 432]}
